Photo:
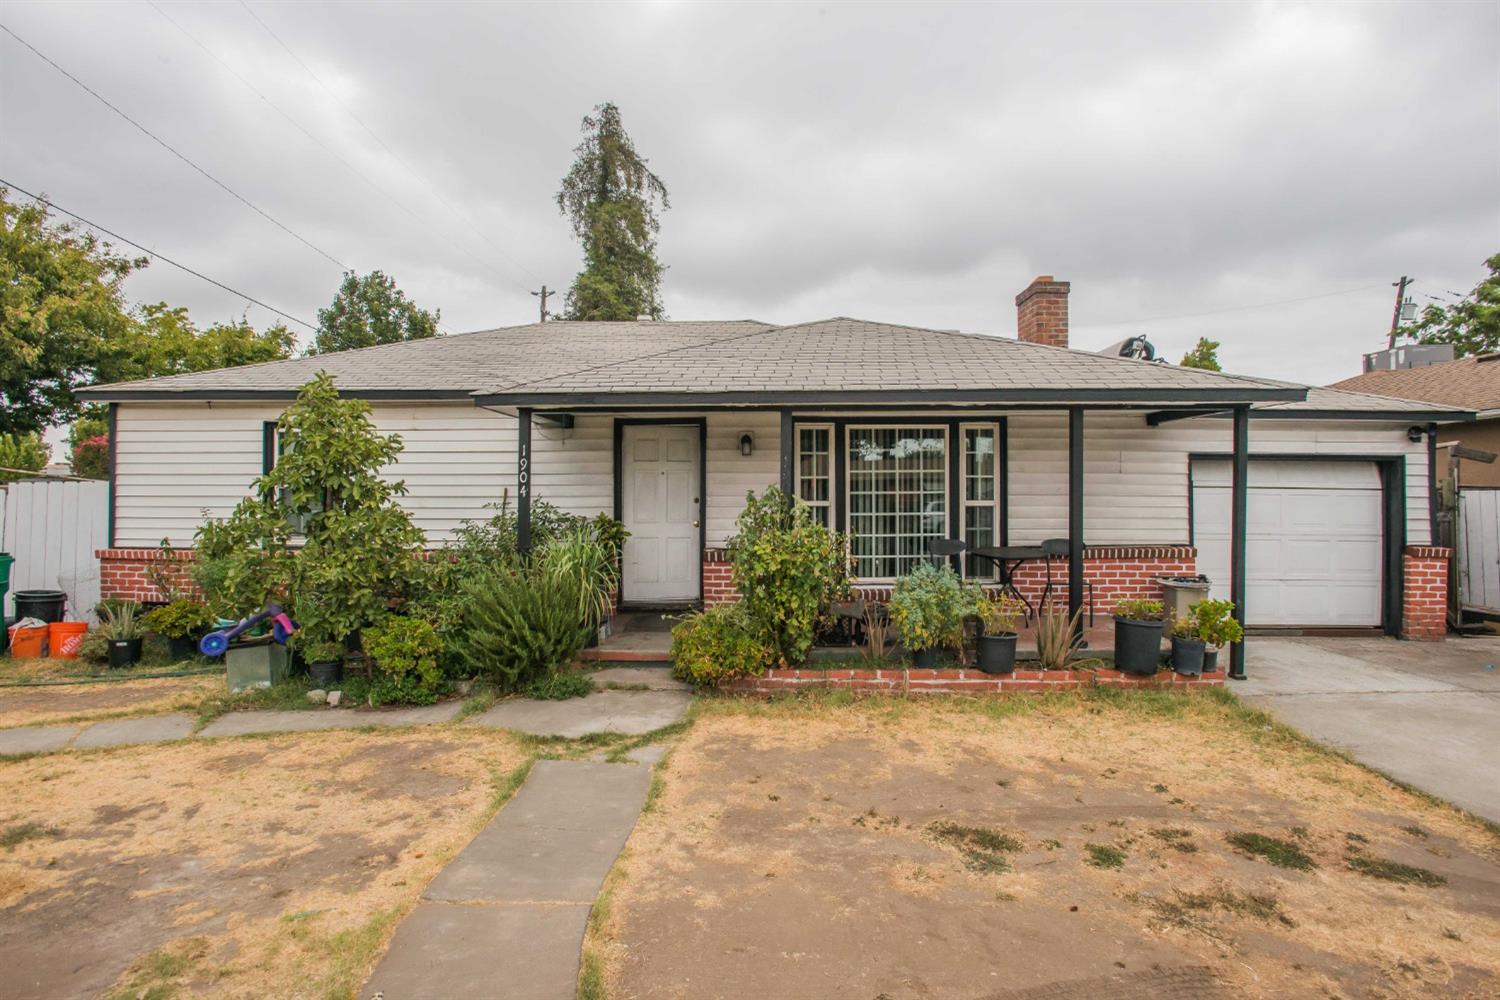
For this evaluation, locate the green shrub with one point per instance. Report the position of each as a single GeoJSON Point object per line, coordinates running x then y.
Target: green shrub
{"type": "Point", "coordinates": [719, 644]}
{"type": "Point", "coordinates": [1141, 611]}
{"type": "Point", "coordinates": [179, 620]}
{"type": "Point", "coordinates": [787, 567]}
{"type": "Point", "coordinates": [519, 623]}
{"type": "Point", "coordinates": [1215, 624]}
{"type": "Point", "coordinates": [561, 686]}
{"type": "Point", "coordinates": [929, 605]}
{"type": "Point", "coordinates": [405, 651]}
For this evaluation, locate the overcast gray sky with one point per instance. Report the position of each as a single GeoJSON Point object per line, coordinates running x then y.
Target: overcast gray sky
{"type": "Point", "coordinates": [909, 163]}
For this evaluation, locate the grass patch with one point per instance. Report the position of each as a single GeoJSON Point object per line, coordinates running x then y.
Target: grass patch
{"type": "Point", "coordinates": [503, 786]}
{"type": "Point", "coordinates": [158, 975]}
{"type": "Point", "coordinates": [1281, 853]}
{"type": "Point", "coordinates": [1177, 838]}
{"type": "Point", "coordinates": [481, 699]}
{"type": "Point", "coordinates": [14, 836]}
{"type": "Point", "coordinates": [1394, 871]}
{"type": "Point", "coordinates": [1187, 910]}
{"type": "Point", "coordinates": [982, 849]}
{"type": "Point", "coordinates": [287, 696]}
{"type": "Point", "coordinates": [560, 687]}
{"type": "Point", "coordinates": [1104, 856]}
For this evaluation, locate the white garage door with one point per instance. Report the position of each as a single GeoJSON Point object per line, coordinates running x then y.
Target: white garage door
{"type": "Point", "coordinates": [1313, 540]}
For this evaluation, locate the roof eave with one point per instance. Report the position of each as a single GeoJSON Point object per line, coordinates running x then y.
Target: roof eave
{"type": "Point", "coordinates": [1061, 397]}
{"type": "Point", "coordinates": [106, 394]}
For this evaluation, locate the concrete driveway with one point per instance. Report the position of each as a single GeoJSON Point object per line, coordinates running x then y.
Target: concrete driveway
{"type": "Point", "coordinates": [1426, 713]}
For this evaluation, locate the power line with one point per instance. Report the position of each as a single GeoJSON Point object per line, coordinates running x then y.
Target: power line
{"type": "Point", "coordinates": [432, 188]}
{"type": "Point", "coordinates": [1233, 309]}
{"type": "Point", "coordinates": [320, 143]}
{"type": "Point", "coordinates": [148, 251]}
{"type": "Point", "coordinates": [165, 145]}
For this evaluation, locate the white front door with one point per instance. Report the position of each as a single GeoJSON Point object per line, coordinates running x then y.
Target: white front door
{"type": "Point", "coordinates": [661, 507]}
{"type": "Point", "coordinates": [1313, 541]}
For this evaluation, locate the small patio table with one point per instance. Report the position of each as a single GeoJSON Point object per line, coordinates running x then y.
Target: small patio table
{"type": "Point", "coordinates": [1007, 559]}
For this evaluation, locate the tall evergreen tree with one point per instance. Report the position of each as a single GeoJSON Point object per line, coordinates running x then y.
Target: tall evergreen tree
{"type": "Point", "coordinates": [611, 197]}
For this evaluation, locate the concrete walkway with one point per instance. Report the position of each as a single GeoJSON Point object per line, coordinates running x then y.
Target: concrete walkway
{"type": "Point", "coordinates": [648, 700]}
{"type": "Point", "coordinates": [1426, 713]}
{"type": "Point", "coordinates": [506, 919]}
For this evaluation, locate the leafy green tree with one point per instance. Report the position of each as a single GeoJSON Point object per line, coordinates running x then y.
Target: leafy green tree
{"type": "Point", "coordinates": [1471, 325]}
{"type": "Point", "coordinates": [60, 302]}
{"type": "Point", "coordinates": [21, 451]}
{"type": "Point", "coordinates": [358, 547]}
{"type": "Point", "coordinates": [610, 196]}
{"type": "Point", "coordinates": [164, 341]}
{"type": "Point", "coordinates": [1205, 355]}
{"type": "Point", "coordinates": [371, 310]}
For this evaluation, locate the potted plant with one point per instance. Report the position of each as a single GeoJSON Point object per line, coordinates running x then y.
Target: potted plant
{"type": "Point", "coordinates": [122, 632]}
{"type": "Point", "coordinates": [928, 608]}
{"type": "Point", "coordinates": [325, 661]}
{"type": "Point", "coordinates": [1187, 647]}
{"type": "Point", "coordinates": [1217, 628]}
{"type": "Point", "coordinates": [181, 623]}
{"type": "Point", "coordinates": [997, 643]}
{"type": "Point", "coordinates": [1138, 628]}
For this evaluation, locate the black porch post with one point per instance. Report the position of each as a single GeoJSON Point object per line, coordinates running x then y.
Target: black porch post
{"type": "Point", "coordinates": [788, 456]}
{"type": "Point", "coordinates": [1238, 514]}
{"type": "Point", "coordinates": [1075, 516]}
{"type": "Point", "coordinates": [523, 480]}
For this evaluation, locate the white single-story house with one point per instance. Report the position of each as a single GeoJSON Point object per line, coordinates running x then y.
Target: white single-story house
{"type": "Point", "coordinates": [896, 435]}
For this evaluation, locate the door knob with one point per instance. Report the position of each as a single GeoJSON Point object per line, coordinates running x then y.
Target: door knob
{"type": "Point", "coordinates": [695, 524]}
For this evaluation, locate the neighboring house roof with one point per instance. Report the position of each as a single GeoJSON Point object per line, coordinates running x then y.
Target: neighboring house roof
{"type": "Point", "coordinates": [834, 360]}
{"type": "Point", "coordinates": [1471, 383]}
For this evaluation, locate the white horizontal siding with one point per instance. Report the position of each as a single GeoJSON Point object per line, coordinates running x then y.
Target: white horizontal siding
{"type": "Point", "coordinates": [1135, 477]}
{"type": "Point", "coordinates": [177, 462]}
{"type": "Point", "coordinates": [732, 475]}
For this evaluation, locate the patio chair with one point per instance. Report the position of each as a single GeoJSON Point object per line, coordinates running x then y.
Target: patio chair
{"type": "Point", "coordinates": [1057, 548]}
{"type": "Point", "coordinates": [941, 551]}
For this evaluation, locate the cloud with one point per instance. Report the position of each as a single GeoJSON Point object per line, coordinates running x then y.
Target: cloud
{"type": "Point", "coordinates": [917, 163]}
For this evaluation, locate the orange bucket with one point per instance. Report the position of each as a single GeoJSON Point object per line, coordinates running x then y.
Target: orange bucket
{"type": "Point", "coordinates": [64, 638]}
{"type": "Point", "coordinates": [27, 642]}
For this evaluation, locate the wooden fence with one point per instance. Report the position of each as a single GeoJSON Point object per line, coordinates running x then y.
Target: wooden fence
{"type": "Point", "coordinates": [1476, 546]}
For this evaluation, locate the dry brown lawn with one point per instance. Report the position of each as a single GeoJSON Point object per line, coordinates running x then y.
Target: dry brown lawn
{"type": "Point", "coordinates": [271, 867]}
{"type": "Point", "coordinates": [45, 704]}
{"type": "Point", "coordinates": [819, 848]}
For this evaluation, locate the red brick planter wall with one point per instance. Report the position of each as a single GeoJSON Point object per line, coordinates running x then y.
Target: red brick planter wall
{"type": "Point", "coordinates": [122, 573]}
{"type": "Point", "coordinates": [1424, 601]}
{"type": "Point", "coordinates": [960, 681]}
{"type": "Point", "coordinates": [1116, 572]}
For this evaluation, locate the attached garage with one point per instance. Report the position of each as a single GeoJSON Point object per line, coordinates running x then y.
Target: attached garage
{"type": "Point", "coordinates": [1315, 539]}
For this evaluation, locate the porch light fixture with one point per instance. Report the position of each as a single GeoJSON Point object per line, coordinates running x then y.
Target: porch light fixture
{"type": "Point", "coordinates": [1415, 434]}
{"type": "Point", "coordinates": [747, 444]}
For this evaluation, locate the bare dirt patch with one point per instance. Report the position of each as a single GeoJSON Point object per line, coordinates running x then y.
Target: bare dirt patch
{"type": "Point", "coordinates": [953, 849]}
{"type": "Point", "coordinates": [243, 868]}
{"type": "Point", "coordinates": [51, 703]}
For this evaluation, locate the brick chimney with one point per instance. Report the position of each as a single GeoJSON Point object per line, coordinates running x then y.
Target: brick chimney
{"type": "Point", "coordinates": [1042, 312]}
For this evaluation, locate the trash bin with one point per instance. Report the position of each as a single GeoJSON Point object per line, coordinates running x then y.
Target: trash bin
{"type": "Point", "coordinates": [44, 604]}
{"type": "Point", "coordinates": [1178, 593]}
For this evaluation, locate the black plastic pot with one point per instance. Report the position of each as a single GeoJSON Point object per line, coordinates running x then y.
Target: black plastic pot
{"type": "Point", "coordinates": [1210, 660]}
{"type": "Point", "coordinates": [924, 659]}
{"type": "Point", "coordinates": [997, 653]}
{"type": "Point", "coordinates": [124, 652]}
{"type": "Point", "coordinates": [44, 604]}
{"type": "Point", "coordinates": [1187, 656]}
{"type": "Point", "coordinates": [324, 674]}
{"type": "Point", "coordinates": [1137, 645]}
{"type": "Point", "coordinates": [183, 647]}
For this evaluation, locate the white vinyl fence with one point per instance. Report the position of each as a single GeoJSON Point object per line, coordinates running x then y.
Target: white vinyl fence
{"type": "Point", "coordinates": [52, 527]}
{"type": "Point", "coordinates": [1477, 545]}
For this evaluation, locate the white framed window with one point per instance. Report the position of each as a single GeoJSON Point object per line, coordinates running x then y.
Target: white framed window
{"type": "Point", "coordinates": [980, 494]}
{"type": "Point", "coordinates": [897, 495]}
{"type": "Point", "coordinates": [815, 469]}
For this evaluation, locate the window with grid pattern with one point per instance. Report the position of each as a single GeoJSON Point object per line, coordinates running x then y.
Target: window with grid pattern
{"type": "Point", "coordinates": [981, 495]}
{"type": "Point", "coordinates": [898, 497]}
{"type": "Point", "coordinates": [815, 470]}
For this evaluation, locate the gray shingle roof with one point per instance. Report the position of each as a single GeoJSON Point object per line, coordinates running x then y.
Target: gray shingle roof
{"type": "Point", "coordinates": [834, 360]}
{"type": "Point", "coordinates": [1360, 403]}
{"type": "Point", "coordinates": [454, 366]}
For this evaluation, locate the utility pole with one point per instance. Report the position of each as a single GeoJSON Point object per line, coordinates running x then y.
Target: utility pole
{"type": "Point", "coordinates": [1396, 316]}
{"type": "Point", "coordinates": [546, 292]}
